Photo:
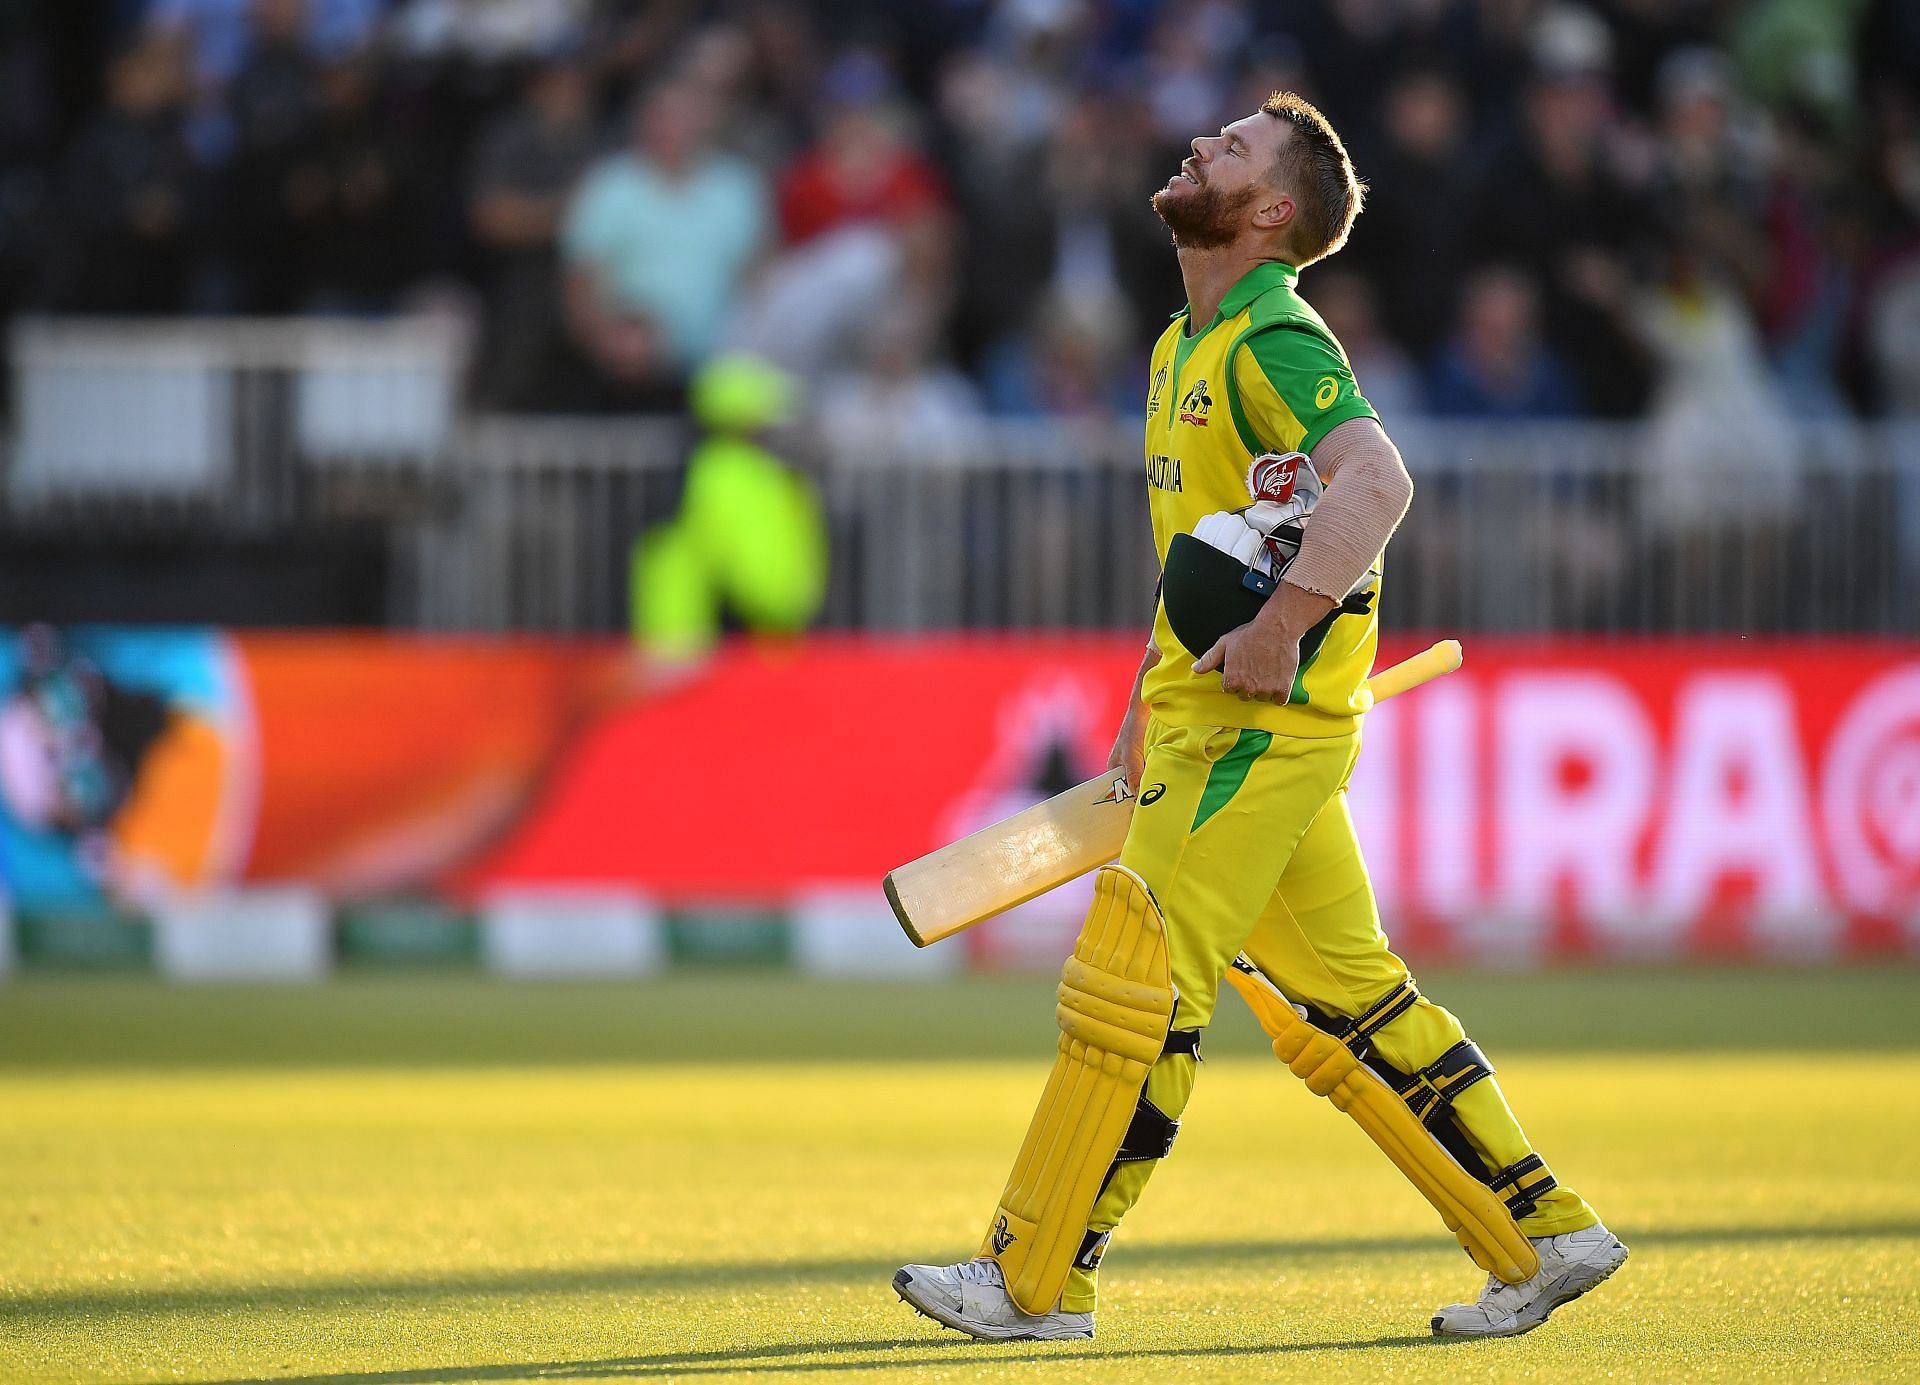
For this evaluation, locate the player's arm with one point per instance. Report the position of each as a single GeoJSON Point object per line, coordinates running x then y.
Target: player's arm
{"type": "Point", "coordinates": [1350, 525]}
{"type": "Point", "coordinates": [1293, 391]}
{"type": "Point", "coordinates": [1356, 517]}
{"type": "Point", "coordinates": [1129, 747]}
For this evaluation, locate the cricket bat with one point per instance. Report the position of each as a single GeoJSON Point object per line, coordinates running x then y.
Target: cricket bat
{"type": "Point", "coordinates": [951, 889]}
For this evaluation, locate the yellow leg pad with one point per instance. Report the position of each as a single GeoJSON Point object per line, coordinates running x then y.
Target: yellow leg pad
{"type": "Point", "coordinates": [1116, 1004]}
{"type": "Point", "coordinates": [1469, 1208]}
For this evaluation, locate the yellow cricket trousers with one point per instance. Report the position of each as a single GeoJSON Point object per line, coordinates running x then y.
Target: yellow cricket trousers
{"type": "Point", "coordinates": [1246, 841]}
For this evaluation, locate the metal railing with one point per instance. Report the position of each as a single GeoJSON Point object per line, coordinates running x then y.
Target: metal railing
{"type": "Point", "coordinates": [498, 524]}
{"type": "Point", "coordinates": [1576, 527]}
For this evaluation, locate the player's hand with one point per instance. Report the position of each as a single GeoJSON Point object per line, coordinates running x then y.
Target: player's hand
{"type": "Point", "coordinates": [1257, 661]}
{"type": "Point", "coordinates": [1130, 746]}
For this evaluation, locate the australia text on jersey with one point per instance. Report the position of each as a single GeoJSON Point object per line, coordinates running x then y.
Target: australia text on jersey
{"type": "Point", "coordinates": [1163, 473]}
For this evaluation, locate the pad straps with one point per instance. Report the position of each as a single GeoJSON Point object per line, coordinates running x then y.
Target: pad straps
{"type": "Point", "coordinates": [1529, 1180]}
{"type": "Point", "coordinates": [1092, 1247]}
{"type": "Point", "coordinates": [1182, 1041]}
{"type": "Point", "coordinates": [1149, 1135]}
{"type": "Point", "coordinates": [1429, 1091]}
{"type": "Point", "coordinates": [1357, 1034]}
{"type": "Point", "coordinates": [1151, 1132]}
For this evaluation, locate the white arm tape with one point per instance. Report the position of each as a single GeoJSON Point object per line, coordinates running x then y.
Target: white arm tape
{"type": "Point", "coordinates": [1356, 516]}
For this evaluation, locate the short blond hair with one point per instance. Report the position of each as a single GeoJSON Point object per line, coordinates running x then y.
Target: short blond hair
{"type": "Point", "coordinates": [1314, 167]}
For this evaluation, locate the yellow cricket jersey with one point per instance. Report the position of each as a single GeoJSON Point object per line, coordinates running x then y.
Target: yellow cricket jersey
{"type": "Point", "coordinates": [1264, 376]}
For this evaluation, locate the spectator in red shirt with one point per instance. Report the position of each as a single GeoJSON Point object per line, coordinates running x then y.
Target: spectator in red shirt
{"type": "Point", "coordinates": [864, 168]}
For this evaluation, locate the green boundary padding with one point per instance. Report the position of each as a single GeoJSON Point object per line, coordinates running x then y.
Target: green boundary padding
{"type": "Point", "coordinates": [718, 937]}
{"type": "Point", "coordinates": [410, 932]}
{"type": "Point", "coordinates": [82, 939]}
{"type": "Point", "coordinates": [1229, 773]}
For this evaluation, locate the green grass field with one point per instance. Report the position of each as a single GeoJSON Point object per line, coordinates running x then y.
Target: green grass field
{"type": "Point", "coordinates": [436, 1180]}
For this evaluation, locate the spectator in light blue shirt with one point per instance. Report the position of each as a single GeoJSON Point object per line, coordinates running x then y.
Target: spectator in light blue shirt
{"type": "Point", "coordinates": [657, 238]}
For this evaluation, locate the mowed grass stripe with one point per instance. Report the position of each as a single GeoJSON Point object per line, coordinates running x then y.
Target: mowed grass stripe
{"type": "Point", "coordinates": [722, 1016]}
{"type": "Point", "coordinates": [687, 1219]}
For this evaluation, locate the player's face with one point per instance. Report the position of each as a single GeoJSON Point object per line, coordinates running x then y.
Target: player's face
{"type": "Point", "coordinates": [1211, 200]}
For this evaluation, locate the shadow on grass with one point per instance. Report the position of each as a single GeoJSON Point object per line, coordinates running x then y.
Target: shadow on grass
{"type": "Point", "coordinates": [886, 1355]}
{"type": "Point", "coordinates": [320, 1295]}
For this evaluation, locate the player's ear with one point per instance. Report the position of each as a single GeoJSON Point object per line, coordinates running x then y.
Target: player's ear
{"type": "Point", "coordinates": [1274, 212]}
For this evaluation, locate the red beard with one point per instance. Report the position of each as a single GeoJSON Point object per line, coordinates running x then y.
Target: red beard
{"type": "Point", "coordinates": [1204, 219]}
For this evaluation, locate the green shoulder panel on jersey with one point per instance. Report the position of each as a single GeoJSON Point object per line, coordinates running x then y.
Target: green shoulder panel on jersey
{"type": "Point", "coordinates": [1297, 358]}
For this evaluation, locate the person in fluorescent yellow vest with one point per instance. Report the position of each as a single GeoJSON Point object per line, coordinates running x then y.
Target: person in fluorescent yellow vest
{"type": "Point", "coordinates": [750, 541]}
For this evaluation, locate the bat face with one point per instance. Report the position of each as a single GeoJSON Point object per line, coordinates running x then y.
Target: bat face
{"type": "Point", "coordinates": [1024, 856]}
{"type": "Point", "coordinates": [1012, 861]}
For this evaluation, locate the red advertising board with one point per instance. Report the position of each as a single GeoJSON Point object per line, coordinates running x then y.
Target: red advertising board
{"type": "Point", "coordinates": [773, 769]}
{"type": "Point", "coordinates": [1652, 797]}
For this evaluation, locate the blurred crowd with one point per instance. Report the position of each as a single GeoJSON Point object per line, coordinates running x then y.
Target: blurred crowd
{"type": "Point", "coordinates": [1703, 212]}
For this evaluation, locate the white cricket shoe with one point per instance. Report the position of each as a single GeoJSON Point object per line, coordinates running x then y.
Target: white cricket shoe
{"type": "Point", "coordinates": [971, 1297]}
{"type": "Point", "coordinates": [1570, 1264]}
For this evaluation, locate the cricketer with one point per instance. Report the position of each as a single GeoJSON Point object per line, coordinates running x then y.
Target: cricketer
{"type": "Point", "coordinates": [1241, 862]}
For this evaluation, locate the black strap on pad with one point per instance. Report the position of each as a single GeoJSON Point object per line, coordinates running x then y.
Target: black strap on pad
{"type": "Point", "coordinates": [1530, 1180]}
{"type": "Point", "coordinates": [1430, 1091]}
{"type": "Point", "coordinates": [1149, 1134]}
{"type": "Point", "coordinates": [1182, 1041]}
{"type": "Point", "coordinates": [1092, 1246]}
{"type": "Point", "coordinates": [1357, 1034]}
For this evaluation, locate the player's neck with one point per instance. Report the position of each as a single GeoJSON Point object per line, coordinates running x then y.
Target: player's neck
{"type": "Point", "coordinates": [1210, 274]}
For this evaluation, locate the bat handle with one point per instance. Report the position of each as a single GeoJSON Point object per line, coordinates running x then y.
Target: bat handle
{"type": "Point", "coordinates": [1423, 667]}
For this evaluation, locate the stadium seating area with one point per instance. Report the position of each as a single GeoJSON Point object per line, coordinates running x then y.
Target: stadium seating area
{"type": "Point", "coordinates": [1618, 208]}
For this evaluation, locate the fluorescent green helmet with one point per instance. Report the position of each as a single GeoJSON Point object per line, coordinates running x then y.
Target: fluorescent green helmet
{"type": "Point", "coordinates": [741, 393]}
